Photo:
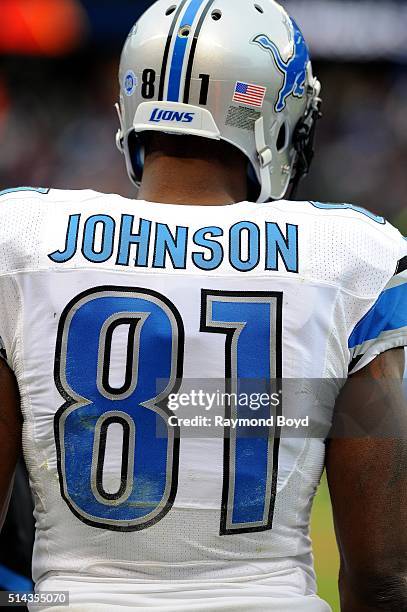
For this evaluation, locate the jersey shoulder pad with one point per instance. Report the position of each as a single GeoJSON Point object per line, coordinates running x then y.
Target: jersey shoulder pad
{"type": "Point", "coordinates": [364, 229]}
{"type": "Point", "coordinates": [384, 325]}
{"type": "Point", "coordinates": [26, 201]}
{"type": "Point", "coordinates": [24, 216]}
{"type": "Point", "coordinates": [352, 246]}
{"type": "Point", "coordinates": [57, 195]}
{"type": "Point", "coordinates": [350, 211]}
{"type": "Point", "coordinates": [18, 192]}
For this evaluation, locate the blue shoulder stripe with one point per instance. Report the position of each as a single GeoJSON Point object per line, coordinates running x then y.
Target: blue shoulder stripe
{"type": "Point", "coordinates": [359, 209]}
{"type": "Point", "coordinates": [43, 190]}
{"type": "Point", "coordinates": [387, 314]}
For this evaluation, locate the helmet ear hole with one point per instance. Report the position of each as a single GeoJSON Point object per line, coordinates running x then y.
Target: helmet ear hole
{"type": "Point", "coordinates": [136, 151]}
{"type": "Point", "coordinates": [282, 138]}
{"type": "Point", "coordinates": [216, 15]}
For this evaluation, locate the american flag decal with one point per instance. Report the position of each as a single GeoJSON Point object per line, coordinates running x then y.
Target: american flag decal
{"type": "Point", "coordinates": [247, 93]}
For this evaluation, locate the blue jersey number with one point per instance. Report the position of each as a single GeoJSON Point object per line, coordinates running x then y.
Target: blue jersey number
{"type": "Point", "coordinates": [147, 482]}
{"type": "Point", "coordinates": [82, 371]}
{"type": "Point", "coordinates": [252, 323]}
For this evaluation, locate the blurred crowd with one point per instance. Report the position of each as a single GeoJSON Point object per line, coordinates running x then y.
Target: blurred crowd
{"type": "Point", "coordinates": [57, 128]}
{"type": "Point", "coordinates": [361, 153]}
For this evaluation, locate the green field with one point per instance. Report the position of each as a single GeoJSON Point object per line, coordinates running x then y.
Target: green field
{"type": "Point", "coordinates": [325, 550]}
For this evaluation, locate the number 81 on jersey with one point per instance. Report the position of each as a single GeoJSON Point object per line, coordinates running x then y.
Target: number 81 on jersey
{"type": "Point", "coordinates": [154, 353]}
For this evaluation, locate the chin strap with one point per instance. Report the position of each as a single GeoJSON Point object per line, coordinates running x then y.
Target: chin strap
{"type": "Point", "coordinates": [120, 131]}
{"type": "Point", "coordinates": [265, 156]}
{"type": "Point", "coordinates": [134, 166]}
{"type": "Point", "coordinates": [304, 137]}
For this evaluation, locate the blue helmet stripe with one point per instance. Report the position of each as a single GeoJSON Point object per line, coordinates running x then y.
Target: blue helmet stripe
{"type": "Point", "coordinates": [180, 48]}
{"type": "Point", "coordinates": [188, 75]}
{"type": "Point", "coordinates": [167, 50]}
{"type": "Point", "coordinates": [388, 313]}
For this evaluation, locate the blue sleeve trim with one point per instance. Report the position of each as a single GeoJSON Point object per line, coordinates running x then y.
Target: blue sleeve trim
{"type": "Point", "coordinates": [43, 190]}
{"type": "Point", "coordinates": [11, 581]}
{"type": "Point", "coordinates": [387, 314]}
{"type": "Point", "coordinates": [358, 209]}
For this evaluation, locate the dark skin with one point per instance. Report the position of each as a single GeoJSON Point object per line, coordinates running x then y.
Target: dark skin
{"type": "Point", "coordinates": [192, 170]}
{"type": "Point", "coordinates": [367, 480]}
{"type": "Point", "coordinates": [11, 425]}
{"type": "Point", "coordinates": [367, 476]}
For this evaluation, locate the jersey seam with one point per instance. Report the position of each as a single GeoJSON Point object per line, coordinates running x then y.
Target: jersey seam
{"type": "Point", "coordinates": [28, 410]}
{"type": "Point", "coordinates": [229, 276]}
{"type": "Point", "coordinates": [40, 196]}
{"type": "Point", "coordinates": [332, 333]}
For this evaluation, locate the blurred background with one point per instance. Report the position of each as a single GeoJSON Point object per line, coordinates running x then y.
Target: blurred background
{"type": "Point", "coordinates": [58, 84]}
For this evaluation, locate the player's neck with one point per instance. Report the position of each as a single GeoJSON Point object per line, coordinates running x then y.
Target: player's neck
{"type": "Point", "coordinates": [203, 182]}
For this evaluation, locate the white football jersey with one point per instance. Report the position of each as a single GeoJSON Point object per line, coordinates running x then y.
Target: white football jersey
{"type": "Point", "coordinates": [112, 312]}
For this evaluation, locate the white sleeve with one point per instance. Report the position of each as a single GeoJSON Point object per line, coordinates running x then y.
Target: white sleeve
{"type": "Point", "coordinates": [385, 325]}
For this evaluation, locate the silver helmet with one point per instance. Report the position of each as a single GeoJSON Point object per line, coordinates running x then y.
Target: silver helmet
{"type": "Point", "coordinates": [232, 70]}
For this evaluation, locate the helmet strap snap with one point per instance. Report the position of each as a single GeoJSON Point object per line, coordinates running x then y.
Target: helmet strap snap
{"type": "Point", "coordinates": [265, 157]}
{"type": "Point", "coordinates": [120, 131]}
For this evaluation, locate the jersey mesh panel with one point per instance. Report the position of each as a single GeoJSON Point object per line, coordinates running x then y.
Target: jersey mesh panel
{"type": "Point", "coordinates": [20, 225]}
{"type": "Point", "coordinates": [341, 242]}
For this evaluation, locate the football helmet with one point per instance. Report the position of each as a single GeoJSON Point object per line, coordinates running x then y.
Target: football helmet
{"type": "Point", "coordinates": [235, 70]}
